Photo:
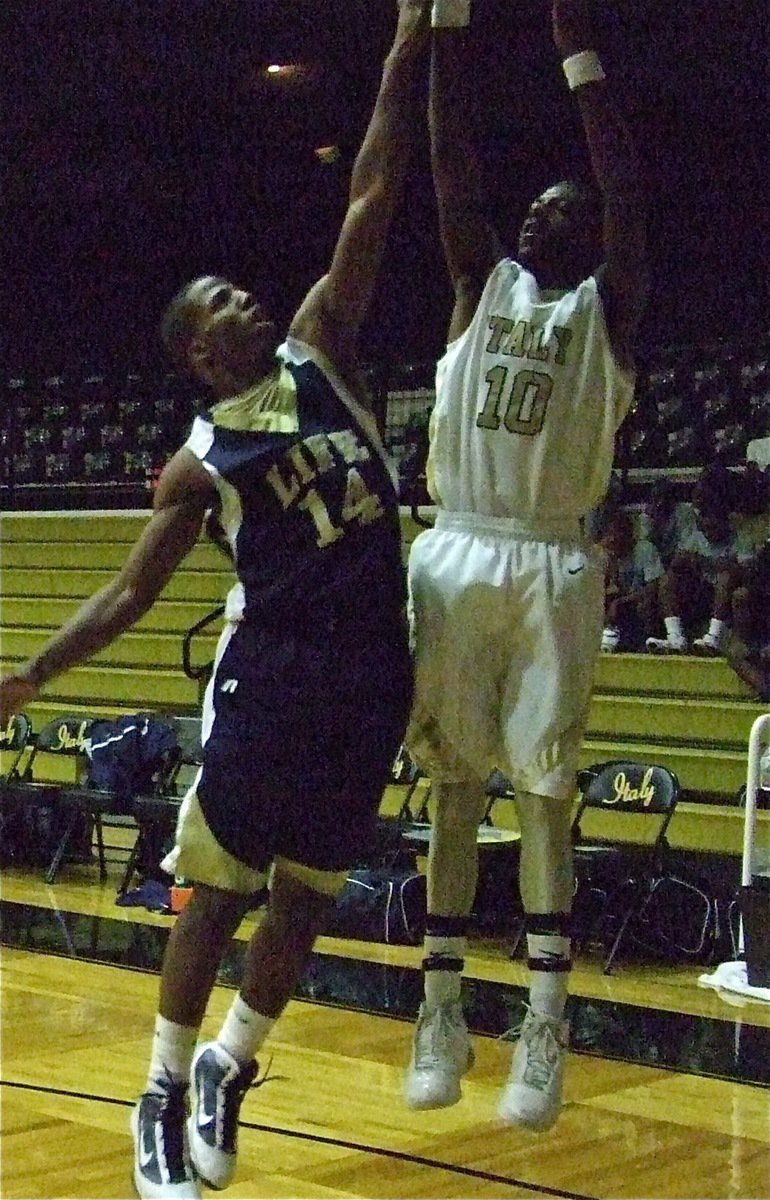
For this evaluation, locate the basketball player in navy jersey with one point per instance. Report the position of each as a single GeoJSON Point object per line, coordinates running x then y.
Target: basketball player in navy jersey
{"type": "Point", "coordinates": [507, 593]}
{"type": "Point", "coordinates": [312, 685]}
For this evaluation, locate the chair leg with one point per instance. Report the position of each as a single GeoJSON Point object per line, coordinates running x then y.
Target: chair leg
{"type": "Point", "coordinates": [55, 863]}
{"type": "Point", "coordinates": [97, 818]}
{"type": "Point", "coordinates": [607, 969]}
{"type": "Point", "coordinates": [133, 859]}
{"type": "Point", "coordinates": [518, 934]}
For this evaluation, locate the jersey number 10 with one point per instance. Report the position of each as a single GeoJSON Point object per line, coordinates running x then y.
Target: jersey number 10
{"type": "Point", "coordinates": [524, 411]}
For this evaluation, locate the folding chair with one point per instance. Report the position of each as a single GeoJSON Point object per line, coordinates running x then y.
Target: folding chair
{"type": "Point", "coordinates": [406, 775]}
{"type": "Point", "coordinates": [621, 868]}
{"type": "Point", "coordinates": [156, 815]}
{"type": "Point", "coordinates": [63, 737]}
{"type": "Point", "coordinates": [202, 672]}
{"type": "Point", "coordinates": [14, 740]}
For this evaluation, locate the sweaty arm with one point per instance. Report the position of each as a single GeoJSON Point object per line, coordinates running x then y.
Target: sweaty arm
{"type": "Point", "coordinates": [471, 246]}
{"type": "Point", "coordinates": [332, 313]}
{"type": "Point", "coordinates": [623, 280]}
{"type": "Point", "coordinates": [183, 494]}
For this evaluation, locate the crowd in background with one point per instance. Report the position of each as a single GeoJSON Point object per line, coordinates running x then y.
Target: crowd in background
{"type": "Point", "coordinates": [692, 576]}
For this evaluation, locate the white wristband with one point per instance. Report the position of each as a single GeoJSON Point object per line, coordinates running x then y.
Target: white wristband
{"type": "Point", "coordinates": [453, 14]}
{"type": "Point", "coordinates": [582, 68]}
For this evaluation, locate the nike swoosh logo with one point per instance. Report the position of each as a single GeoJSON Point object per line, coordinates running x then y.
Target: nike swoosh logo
{"type": "Point", "coordinates": [146, 1156]}
{"type": "Point", "coordinates": [205, 1118]}
{"type": "Point", "coordinates": [574, 570]}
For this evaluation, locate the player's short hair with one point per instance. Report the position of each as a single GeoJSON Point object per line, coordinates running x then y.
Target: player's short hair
{"type": "Point", "coordinates": [590, 199]}
{"type": "Point", "coordinates": [178, 327]}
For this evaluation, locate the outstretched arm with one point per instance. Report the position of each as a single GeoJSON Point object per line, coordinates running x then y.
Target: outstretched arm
{"type": "Point", "coordinates": [471, 246]}
{"type": "Point", "coordinates": [183, 494]}
{"type": "Point", "coordinates": [332, 313]}
{"type": "Point", "coordinates": [623, 281]}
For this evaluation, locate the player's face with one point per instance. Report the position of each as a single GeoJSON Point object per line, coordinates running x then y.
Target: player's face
{"type": "Point", "coordinates": [552, 229]}
{"type": "Point", "coordinates": [232, 327]}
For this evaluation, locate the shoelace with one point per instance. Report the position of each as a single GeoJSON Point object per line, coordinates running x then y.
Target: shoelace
{"type": "Point", "coordinates": [433, 1040]}
{"type": "Point", "coordinates": [235, 1090]}
{"type": "Point", "coordinates": [170, 1115]}
{"type": "Point", "coordinates": [544, 1046]}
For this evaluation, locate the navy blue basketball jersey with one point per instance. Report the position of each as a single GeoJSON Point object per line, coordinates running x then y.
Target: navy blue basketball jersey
{"type": "Point", "coordinates": [307, 501]}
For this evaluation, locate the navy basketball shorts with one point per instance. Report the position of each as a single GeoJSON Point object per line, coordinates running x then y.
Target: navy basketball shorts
{"type": "Point", "coordinates": [304, 733]}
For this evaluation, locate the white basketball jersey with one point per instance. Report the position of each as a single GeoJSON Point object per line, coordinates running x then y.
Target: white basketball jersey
{"type": "Point", "coordinates": [528, 401]}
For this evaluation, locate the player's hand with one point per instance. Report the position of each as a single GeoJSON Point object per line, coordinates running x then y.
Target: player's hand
{"type": "Point", "coordinates": [413, 15]}
{"type": "Point", "coordinates": [15, 692]}
{"type": "Point", "coordinates": [573, 24]}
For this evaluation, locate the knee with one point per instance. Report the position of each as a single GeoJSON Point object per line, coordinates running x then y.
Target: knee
{"type": "Point", "coordinates": [295, 912]}
{"type": "Point", "coordinates": [458, 807]}
{"type": "Point", "coordinates": [213, 911]}
{"type": "Point", "coordinates": [544, 818]}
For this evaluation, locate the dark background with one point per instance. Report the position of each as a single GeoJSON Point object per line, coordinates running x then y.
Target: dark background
{"type": "Point", "coordinates": [144, 145]}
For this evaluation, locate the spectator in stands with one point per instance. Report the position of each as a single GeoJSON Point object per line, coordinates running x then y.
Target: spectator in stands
{"type": "Point", "coordinates": [751, 664]}
{"type": "Point", "coordinates": [507, 591]}
{"type": "Point", "coordinates": [670, 522]}
{"type": "Point", "coordinates": [706, 579]}
{"type": "Point", "coordinates": [634, 568]}
{"type": "Point", "coordinates": [311, 694]}
{"type": "Point", "coordinates": [413, 488]}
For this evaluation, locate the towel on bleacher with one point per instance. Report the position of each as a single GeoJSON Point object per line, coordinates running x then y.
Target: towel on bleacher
{"type": "Point", "coordinates": [731, 977]}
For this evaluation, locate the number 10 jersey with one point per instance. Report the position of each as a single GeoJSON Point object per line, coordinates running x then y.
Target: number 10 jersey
{"type": "Point", "coordinates": [528, 401]}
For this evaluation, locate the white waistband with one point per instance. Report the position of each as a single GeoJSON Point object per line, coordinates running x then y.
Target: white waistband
{"type": "Point", "coordinates": [568, 530]}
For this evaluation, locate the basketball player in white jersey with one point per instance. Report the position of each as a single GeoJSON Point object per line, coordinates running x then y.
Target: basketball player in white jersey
{"type": "Point", "coordinates": [507, 594]}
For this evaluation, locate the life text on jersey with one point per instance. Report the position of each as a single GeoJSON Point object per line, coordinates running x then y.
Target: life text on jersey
{"type": "Point", "coordinates": [291, 480]}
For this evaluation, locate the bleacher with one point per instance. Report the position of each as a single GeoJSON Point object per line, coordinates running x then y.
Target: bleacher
{"type": "Point", "coordinates": [692, 715]}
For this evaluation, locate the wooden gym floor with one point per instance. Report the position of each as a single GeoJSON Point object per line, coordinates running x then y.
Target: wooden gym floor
{"type": "Point", "coordinates": [666, 1092]}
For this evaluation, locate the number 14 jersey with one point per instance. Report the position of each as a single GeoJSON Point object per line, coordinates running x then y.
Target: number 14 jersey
{"type": "Point", "coordinates": [307, 500]}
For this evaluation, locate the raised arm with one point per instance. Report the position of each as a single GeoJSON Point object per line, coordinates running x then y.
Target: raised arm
{"type": "Point", "coordinates": [184, 493]}
{"type": "Point", "coordinates": [331, 315]}
{"type": "Point", "coordinates": [471, 246]}
{"type": "Point", "coordinates": [624, 278]}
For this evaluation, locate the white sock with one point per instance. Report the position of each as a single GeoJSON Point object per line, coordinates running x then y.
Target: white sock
{"type": "Point", "coordinates": [244, 1030]}
{"type": "Point", "coordinates": [674, 629]}
{"type": "Point", "coordinates": [717, 630]}
{"type": "Point", "coordinates": [548, 989]}
{"type": "Point", "coordinates": [172, 1052]}
{"type": "Point", "coordinates": [443, 982]}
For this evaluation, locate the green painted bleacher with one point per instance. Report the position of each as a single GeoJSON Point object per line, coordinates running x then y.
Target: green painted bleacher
{"type": "Point", "coordinates": [692, 715]}
{"type": "Point", "coordinates": [52, 561]}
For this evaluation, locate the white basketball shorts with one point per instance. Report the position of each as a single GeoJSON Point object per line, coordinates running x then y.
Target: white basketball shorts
{"type": "Point", "coordinates": [506, 632]}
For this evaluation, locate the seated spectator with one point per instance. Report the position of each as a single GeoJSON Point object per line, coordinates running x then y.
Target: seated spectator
{"type": "Point", "coordinates": [634, 567]}
{"type": "Point", "coordinates": [708, 580]}
{"type": "Point", "coordinates": [670, 523]}
{"type": "Point", "coordinates": [413, 486]}
{"type": "Point", "coordinates": [751, 664]}
{"type": "Point", "coordinates": [747, 650]}
{"type": "Point", "coordinates": [595, 521]}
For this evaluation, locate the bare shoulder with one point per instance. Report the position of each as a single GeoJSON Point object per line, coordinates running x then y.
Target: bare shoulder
{"type": "Point", "coordinates": [184, 482]}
